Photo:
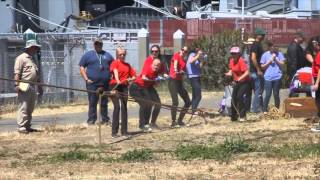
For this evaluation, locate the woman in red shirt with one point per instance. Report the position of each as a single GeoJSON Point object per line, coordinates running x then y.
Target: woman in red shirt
{"type": "Point", "coordinates": [176, 87]}
{"type": "Point", "coordinates": [241, 80]}
{"type": "Point", "coordinates": [122, 73]}
{"type": "Point", "coordinates": [316, 76]}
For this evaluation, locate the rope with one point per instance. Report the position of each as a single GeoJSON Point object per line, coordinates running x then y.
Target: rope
{"type": "Point", "coordinates": [275, 114]}
{"type": "Point", "coordinates": [100, 91]}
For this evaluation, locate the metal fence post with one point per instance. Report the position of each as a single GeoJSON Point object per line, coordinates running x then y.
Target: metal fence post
{"type": "Point", "coordinates": [143, 41]}
{"type": "Point", "coordinates": [178, 40]}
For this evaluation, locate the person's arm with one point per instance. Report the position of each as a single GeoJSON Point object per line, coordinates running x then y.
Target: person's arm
{"type": "Point", "coordinates": [175, 65]}
{"type": "Point", "coordinates": [133, 74]}
{"type": "Point", "coordinates": [194, 58]}
{"type": "Point", "coordinates": [309, 58]}
{"type": "Point", "coordinates": [202, 63]}
{"type": "Point", "coordinates": [116, 75]}
{"type": "Point", "coordinates": [244, 75]}
{"type": "Point", "coordinates": [17, 73]}
{"type": "Point", "coordinates": [279, 61]}
{"type": "Point", "coordinates": [83, 73]}
{"type": "Point", "coordinates": [229, 73]}
{"type": "Point", "coordinates": [255, 62]}
{"type": "Point", "coordinates": [316, 84]}
{"type": "Point", "coordinates": [265, 61]}
{"type": "Point", "coordinates": [244, 68]}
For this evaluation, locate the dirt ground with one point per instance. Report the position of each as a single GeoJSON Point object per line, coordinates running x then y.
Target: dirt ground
{"type": "Point", "coordinates": [31, 156]}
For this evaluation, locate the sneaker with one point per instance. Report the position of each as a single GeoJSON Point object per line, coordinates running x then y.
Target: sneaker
{"type": "Point", "coordinates": [23, 130]}
{"type": "Point", "coordinates": [90, 123]}
{"type": "Point", "coordinates": [316, 129]}
{"type": "Point", "coordinates": [32, 130]}
{"type": "Point", "coordinates": [175, 125]}
{"type": "Point", "coordinates": [242, 120]}
{"type": "Point", "coordinates": [107, 123]}
{"type": "Point", "coordinates": [126, 135]}
{"type": "Point", "coordinates": [115, 136]}
{"type": "Point", "coordinates": [146, 128]}
{"type": "Point", "coordinates": [154, 126]}
{"type": "Point", "coordinates": [181, 124]}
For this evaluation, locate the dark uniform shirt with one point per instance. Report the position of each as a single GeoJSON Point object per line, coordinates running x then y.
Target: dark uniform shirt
{"type": "Point", "coordinates": [296, 57]}
{"type": "Point", "coordinates": [97, 66]}
{"type": "Point", "coordinates": [258, 50]}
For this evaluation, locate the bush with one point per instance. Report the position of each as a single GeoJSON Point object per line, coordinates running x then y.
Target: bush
{"type": "Point", "coordinates": [217, 48]}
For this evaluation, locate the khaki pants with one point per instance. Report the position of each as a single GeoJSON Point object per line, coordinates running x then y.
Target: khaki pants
{"type": "Point", "coordinates": [26, 106]}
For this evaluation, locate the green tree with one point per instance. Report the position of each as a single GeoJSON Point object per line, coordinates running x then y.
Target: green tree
{"type": "Point", "coordinates": [217, 48]}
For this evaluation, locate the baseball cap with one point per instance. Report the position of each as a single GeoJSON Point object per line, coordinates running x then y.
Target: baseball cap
{"type": "Point", "coordinates": [249, 41]}
{"type": "Point", "coordinates": [97, 40]}
{"type": "Point", "coordinates": [260, 31]}
{"type": "Point", "coordinates": [235, 49]}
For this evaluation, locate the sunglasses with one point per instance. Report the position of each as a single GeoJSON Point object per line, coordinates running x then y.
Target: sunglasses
{"type": "Point", "coordinates": [154, 51]}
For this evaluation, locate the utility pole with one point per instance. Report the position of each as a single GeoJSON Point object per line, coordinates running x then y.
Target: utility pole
{"type": "Point", "coordinates": [242, 18]}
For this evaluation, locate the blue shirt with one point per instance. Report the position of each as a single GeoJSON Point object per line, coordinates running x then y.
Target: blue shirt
{"type": "Point", "coordinates": [273, 72]}
{"type": "Point", "coordinates": [97, 66]}
{"type": "Point", "coordinates": [193, 69]}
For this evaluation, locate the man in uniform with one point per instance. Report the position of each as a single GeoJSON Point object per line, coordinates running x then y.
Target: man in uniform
{"type": "Point", "coordinates": [25, 68]}
{"type": "Point", "coordinates": [94, 68]}
{"type": "Point", "coordinates": [256, 72]}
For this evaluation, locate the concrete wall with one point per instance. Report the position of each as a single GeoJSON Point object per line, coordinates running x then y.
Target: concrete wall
{"type": "Point", "coordinates": [7, 22]}
{"type": "Point", "coordinates": [57, 10]}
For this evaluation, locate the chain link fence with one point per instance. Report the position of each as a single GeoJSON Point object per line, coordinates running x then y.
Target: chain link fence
{"type": "Point", "coordinates": [59, 58]}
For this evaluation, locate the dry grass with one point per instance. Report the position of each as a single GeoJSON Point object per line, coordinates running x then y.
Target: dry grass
{"type": "Point", "coordinates": [31, 156]}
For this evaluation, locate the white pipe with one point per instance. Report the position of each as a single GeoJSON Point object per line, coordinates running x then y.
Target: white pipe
{"type": "Point", "coordinates": [157, 9]}
{"type": "Point", "coordinates": [36, 17]}
{"type": "Point", "coordinates": [242, 9]}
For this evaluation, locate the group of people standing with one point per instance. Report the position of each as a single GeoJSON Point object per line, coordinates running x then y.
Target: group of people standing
{"type": "Point", "coordinates": [263, 71]}
{"type": "Point", "coordinates": [100, 70]}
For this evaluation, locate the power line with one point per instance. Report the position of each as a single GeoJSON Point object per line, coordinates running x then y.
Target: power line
{"type": "Point", "coordinates": [29, 14]}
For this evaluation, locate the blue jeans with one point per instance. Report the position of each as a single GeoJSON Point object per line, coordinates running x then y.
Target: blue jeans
{"type": "Point", "coordinates": [269, 87]}
{"type": "Point", "coordinates": [196, 92]}
{"type": "Point", "coordinates": [93, 101]}
{"type": "Point", "coordinates": [257, 102]}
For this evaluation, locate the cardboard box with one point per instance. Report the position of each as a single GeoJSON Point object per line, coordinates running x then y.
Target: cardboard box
{"type": "Point", "coordinates": [300, 107]}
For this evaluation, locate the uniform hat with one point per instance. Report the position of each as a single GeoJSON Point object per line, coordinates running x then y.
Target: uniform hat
{"type": "Point", "coordinates": [31, 43]}
{"type": "Point", "coordinates": [259, 31]}
{"type": "Point", "coordinates": [249, 41]}
{"type": "Point", "coordinates": [97, 40]}
{"type": "Point", "coordinates": [235, 49]}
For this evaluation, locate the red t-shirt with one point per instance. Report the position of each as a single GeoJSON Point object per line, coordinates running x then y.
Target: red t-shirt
{"type": "Point", "coordinates": [238, 69]}
{"type": "Point", "coordinates": [180, 67]}
{"type": "Point", "coordinates": [125, 71]}
{"type": "Point", "coordinates": [316, 65]}
{"type": "Point", "coordinates": [148, 62]}
{"type": "Point", "coordinates": [150, 74]}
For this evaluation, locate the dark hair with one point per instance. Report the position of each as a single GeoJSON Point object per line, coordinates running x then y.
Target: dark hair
{"type": "Point", "coordinates": [269, 43]}
{"type": "Point", "coordinates": [310, 48]}
{"type": "Point", "coordinates": [158, 47]}
{"type": "Point", "coordinates": [155, 46]}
